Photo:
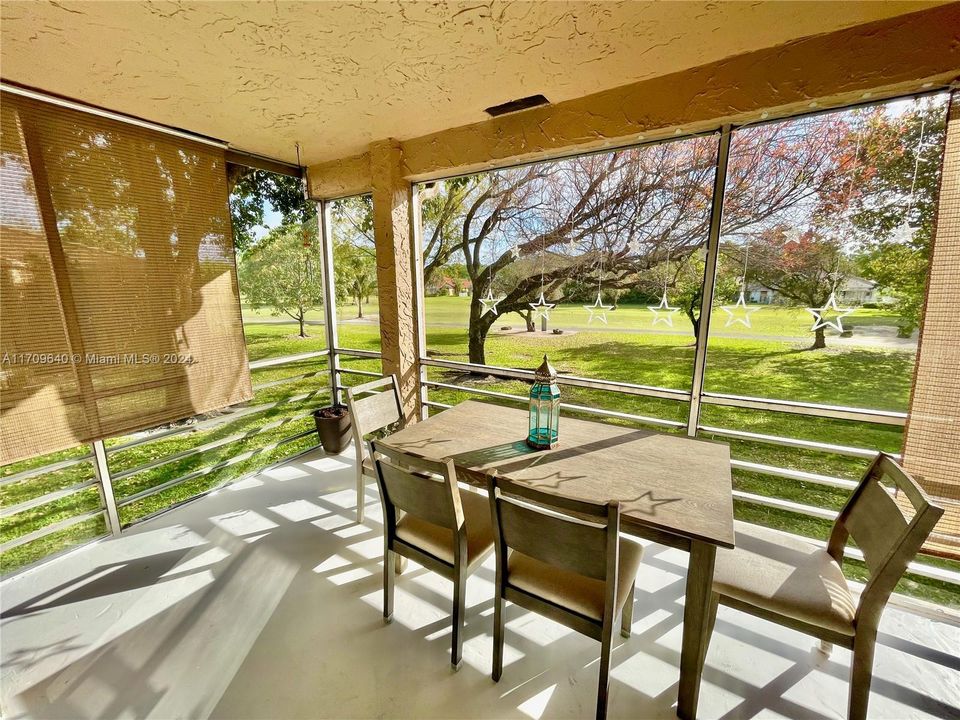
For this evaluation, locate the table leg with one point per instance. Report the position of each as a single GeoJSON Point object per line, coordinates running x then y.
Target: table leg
{"type": "Point", "coordinates": [696, 626]}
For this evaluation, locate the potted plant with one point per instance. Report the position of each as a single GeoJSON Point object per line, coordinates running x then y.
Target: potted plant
{"type": "Point", "coordinates": [333, 427]}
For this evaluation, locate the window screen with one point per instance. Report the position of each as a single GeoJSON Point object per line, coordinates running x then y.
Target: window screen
{"type": "Point", "coordinates": [118, 284]}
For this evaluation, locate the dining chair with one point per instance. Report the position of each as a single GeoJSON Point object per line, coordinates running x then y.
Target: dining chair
{"type": "Point", "coordinates": [801, 585]}
{"type": "Point", "coordinates": [564, 559]}
{"type": "Point", "coordinates": [374, 409]}
{"type": "Point", "coordinates": [428, 520]}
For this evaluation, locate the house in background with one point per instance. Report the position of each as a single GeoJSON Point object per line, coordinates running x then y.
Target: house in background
{"type": "Point", "coordinates": [852, 291]}
{"type": "Point", "coordinates": [445, 285]}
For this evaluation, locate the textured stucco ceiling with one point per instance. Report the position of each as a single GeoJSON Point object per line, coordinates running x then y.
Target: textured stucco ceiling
{"type": "Point", "coordinates": [336, 76]}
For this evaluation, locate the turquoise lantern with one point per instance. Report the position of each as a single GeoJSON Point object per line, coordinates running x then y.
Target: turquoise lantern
{"type": "Point", "coordinates": [544, 408]}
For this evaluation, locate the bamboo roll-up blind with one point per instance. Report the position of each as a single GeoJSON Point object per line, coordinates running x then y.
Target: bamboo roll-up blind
{"type": "Point", "coordinates": [120, 305]}
{"type": "Point", "coordinates": [931, 450]}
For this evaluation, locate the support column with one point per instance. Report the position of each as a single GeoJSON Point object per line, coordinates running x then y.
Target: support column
{"type": "Point", "coordinates": [392, 220]}
{"type": "Point", "coordinates": [709, 281]}
{"type": "Point", "coordinates": [329, 298]}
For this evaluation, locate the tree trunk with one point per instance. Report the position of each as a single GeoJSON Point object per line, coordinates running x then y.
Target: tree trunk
{"type": "Point", "coordinates": [695, 321]}
{"type": "Point", "coordinates": [359, 306]}
{"type": "Point", "coordinates": [531, 323]}
{"type": "Point", "coordinates": [480, 323]}
{"type": "Point", "coordinates": [300, 317]}
{"type": "Point", "coordinates": [819, 339]}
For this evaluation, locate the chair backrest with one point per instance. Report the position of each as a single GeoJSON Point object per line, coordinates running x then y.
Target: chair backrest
{"type": "Point", "coordinates": [426, 489]}
{"type": "Point", "coordinates": [574, 535]}
{"type": "Point", "coordinates": [373, 406]}
{"type": "Point", "coordinates": [888, 532]}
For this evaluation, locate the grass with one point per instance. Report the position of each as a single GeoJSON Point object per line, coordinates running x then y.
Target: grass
{"type": "Point", "coordinates": [766, 360]}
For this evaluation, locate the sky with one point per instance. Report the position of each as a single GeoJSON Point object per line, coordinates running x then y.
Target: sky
{"type": "Point", "coordinates": [271, 218]}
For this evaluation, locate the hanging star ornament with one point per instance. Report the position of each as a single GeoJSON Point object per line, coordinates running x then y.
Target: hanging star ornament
{"type": "Point", "coordinates": [515, 251]}
{"type": "Point", "coordinates": [490, 302]}
{"type": "Point", "coordinates": [739, 312]}
{"type": "Point", "coordinates": [541, 308]}
{"type": "Point", "coordinates": [903, 233]}
{"type": "Point", "coordinates": [634, 246]}
{"type": "Point", "coordinates": [598, 310]}
{"type": "Point", "coordinates": [791, 236]}
{"type": "Point", "coordinates": [663, 312]}
{"type": "Point", "coordinates": [819, 315]}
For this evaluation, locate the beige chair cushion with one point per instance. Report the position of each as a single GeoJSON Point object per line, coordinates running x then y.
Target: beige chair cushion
{"type": "Point", "coordinates": [570, 590]}
{"type": "Point", "coordinates": [787, 576]}
{"type": "Point", "coordinates": [438, 541]}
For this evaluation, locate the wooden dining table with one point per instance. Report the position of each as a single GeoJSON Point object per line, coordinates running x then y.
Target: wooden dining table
{"type": "Point", "coordinates": [672, 489]}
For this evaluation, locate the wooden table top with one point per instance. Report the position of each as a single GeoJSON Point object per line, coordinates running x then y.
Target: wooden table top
{"type": "Point", "coordinates": [667, 483]}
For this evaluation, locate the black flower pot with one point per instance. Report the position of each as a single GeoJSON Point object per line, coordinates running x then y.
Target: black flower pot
{"type": "Point", "coordinates": [333, 427]}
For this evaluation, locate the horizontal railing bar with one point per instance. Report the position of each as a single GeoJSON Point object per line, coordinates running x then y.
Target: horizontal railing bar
{"type": "Point", "coordinates": [221, 485]}
{"type": "Point", "coordinates": [801, 475]}
{"type": "Point", "coordinates": [48, 498]}
{"type": "Point", "coordinates": [213, 445]}
{"type": "Point", "coordinates": [364, 373]}
{"type": "Point", "coordinates": [780, 504]}
{"type": "Point", "coordinates": [286, 359]}
{"type": "Point", "coordinates": [914, 568]}
{"type": "Point", "coordinates": [433, 403]}
{"type": "Point", "coordinates": [372, 354]}
{"type": "Point", "coordinates": [568, 380]}
{"type": "Point", "coordinates": [881, 417]}
{"type": "Point", "coordinates": [43, 560]}
{"type": "Point", "coordinates": [49, 530]}
{"type": "Point", "coordinates": [193, 475]}
{"type": "Point", "coordinates": [563, 406]}
{"type": "Point", "coordinates": [219, 420]}
{"type": "Point", "coordinates": [794, 442]}
{"type": "Point", "coordinates": [289, 379]}
{"type": "Point", "coordinates": [45, 469]}
{"type": "Point", "coordinates": [476, 391]}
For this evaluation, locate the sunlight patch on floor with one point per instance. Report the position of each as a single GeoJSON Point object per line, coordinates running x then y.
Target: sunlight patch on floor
{"type": "Point", "coordinates": [243, 522]}
{"type": "Point", "coordinates": [537, 705]}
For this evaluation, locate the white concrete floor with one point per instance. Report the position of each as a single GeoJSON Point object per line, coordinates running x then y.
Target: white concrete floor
{"type": "Point", "coordinates": [263, 601]}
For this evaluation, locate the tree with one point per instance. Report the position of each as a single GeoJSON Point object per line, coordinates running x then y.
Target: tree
{"type": "Point", "coordinates": [805, 271]}
{"type": "Point", "coordinates": [887, 197]}
{"type": "Point", "coordinates": [282, 272]}
{"type": "Point", "coordinates": [521, 230]}
{"type": "Point", "coordinates": [355, 273]}
{"type": "Point", "coordinates": [251, 190]}
{"type": "Point", "coordinates": [354, 256]}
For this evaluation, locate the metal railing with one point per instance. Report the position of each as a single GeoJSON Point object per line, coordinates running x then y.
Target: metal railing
{"type": "Point", "coordinates": [742, 464]}
{"type": "Point", "coordinates": [105, 480]}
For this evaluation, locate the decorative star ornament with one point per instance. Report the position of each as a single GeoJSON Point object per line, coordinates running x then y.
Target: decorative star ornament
{"type": "Point", "coordinates": [738, 312]}
{"type": "Point", "coordinates": [819, 315]}
{"type": "Point", "coordinates": [663, 312]}
{"type": "Point", "coordinates": [634, 246]}
{"type": "Point", "coordinates": [515, 251]}
{"type": "Point", "coordinates": [541, 308]}
{"type": "Point", "coordinates": [792, 236]}
{"type": "Point", "coordinates": [903, 233]}
{"type": "Point", "coordinates": [490, 302]}
{"type": "Point", "coordinates": [598, 310]}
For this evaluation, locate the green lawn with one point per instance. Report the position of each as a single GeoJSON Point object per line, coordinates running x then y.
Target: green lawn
{"type": "Point", "coordinates": [857, 376]}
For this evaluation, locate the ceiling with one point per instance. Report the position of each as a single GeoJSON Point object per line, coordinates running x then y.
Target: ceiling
{"type": "Point", "coordinates": [336, 76]}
